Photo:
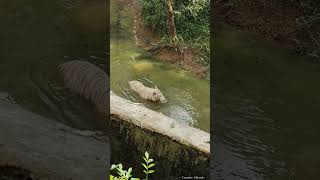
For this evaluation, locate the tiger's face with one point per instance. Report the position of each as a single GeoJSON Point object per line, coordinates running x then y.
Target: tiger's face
{"type": "Point", "coordinates": [158, 96]}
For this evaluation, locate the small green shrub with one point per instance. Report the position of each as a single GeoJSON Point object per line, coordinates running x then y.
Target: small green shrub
{"type": "Point", "coordinates": [147, 167]}
{"type": "Point", "coordinates": [126, 174]}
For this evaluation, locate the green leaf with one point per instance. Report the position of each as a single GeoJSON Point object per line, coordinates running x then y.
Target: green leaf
{"type": "Point", "coordinates": [145, 159]}
{"type": "Point", "coordinates": [145, 171]}
{"type": "Point", "coordinates": [128, 175]}
{"type": "Point", "coordinates": [120, 173]}
{"type": "Point", "coordinates": [151, 165]}
{"type": "Point", "coordinates": [113, 167]}
{"type": "Point", "coordinates": [129, 170]}
{"type": "Point", "coordinates": [111, 177]}
{"type": "Point", "coordinates": [151, 171]}
{"type": "Point", "coordinates": [146, 154]}
{"type": "Point", "coordinates": [150, 160]}
{"type": "Point", "coordinates": [144, 166]}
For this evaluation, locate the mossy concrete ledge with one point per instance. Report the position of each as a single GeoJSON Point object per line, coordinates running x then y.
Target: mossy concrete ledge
{"type": "Point", "coordinates": [160, 124]}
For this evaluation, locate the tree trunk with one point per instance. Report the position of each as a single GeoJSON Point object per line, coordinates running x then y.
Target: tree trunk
{"type": "Point", "coordinates": [171, 26]}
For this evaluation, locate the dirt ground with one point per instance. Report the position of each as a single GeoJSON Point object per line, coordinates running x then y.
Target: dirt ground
{"type": "Point", "coordinates": [271, 22]}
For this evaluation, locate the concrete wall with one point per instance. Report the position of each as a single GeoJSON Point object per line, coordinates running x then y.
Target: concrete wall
{"type": "Point", "coordinates": [182, 150]}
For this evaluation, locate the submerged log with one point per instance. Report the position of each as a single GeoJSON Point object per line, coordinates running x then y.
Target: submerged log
{"type": "Point", "coordinates": [50, 150]}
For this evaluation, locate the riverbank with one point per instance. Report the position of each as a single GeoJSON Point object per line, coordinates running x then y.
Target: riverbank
{"type": "Point", "coordinates": [182, 57]}
{"type": "Point", "coordinates": [283, 25]}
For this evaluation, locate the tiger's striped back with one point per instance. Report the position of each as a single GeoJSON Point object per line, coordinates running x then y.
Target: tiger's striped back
{"type": "Point", "coordinates": [87, 80]}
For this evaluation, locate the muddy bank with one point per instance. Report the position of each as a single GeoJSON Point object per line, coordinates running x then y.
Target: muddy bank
{"type": "Point", "coordinates": [49, 150]}
{"type": "Point", "coordinates": [279, 24]}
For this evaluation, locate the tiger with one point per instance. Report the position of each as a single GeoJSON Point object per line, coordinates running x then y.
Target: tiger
{"type": "Point", "coordinates": [153, 94]}
{"type": "Point", "coordinates": [87, 80]}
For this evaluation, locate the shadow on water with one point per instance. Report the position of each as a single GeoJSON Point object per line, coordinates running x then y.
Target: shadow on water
{"type": "Point", "coordinates": [266, 106]}
{"type": "Point", "coordinates": [36, 36]}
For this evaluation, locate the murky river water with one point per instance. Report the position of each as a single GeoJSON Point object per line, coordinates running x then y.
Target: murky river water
{"type": "Point", "coordinates": [35, 36]}
{"type": "Point", "coordinates": [266, 109]}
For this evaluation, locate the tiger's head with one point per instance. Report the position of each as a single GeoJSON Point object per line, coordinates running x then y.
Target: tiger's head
{"type": "Point", "coordinates": [158, 96]}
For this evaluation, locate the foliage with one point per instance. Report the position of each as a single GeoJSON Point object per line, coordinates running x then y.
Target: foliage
{"type": "Point", "coordinates": [311, 13]}
{"type": "Point", "coordinates": [148, 165]}
{"type": "Point", "coordinates": [120, 24]}
{"type": "Point", "coordinates": [123, 174]}
{"type": "Point", "coordinates": [154, 14]}
{"type": "Point", "coordinates": [126, 174]}
{"type": "Point", "coordinates": [191, 20]}
{"type": "Point", "coordinates": [191, 17]}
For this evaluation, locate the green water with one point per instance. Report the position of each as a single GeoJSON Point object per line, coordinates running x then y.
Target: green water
{"type": "Point", "coordinates": [188, 96]}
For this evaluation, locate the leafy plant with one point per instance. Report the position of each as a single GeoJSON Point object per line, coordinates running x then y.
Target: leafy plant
{"type": "Point", "coordinates": [123, 174]}
{"type": "Point", "coordinates": [126, 174]}
{"type": "Point", "coordinates": [148, 165]}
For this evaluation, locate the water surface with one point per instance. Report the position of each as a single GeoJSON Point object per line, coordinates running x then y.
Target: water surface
{"type": "Point", "coordinates": [266, 109]}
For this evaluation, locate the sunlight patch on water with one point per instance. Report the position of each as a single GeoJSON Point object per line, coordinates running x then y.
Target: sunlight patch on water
{"type": "Point", "coordinates": [143, 66]}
